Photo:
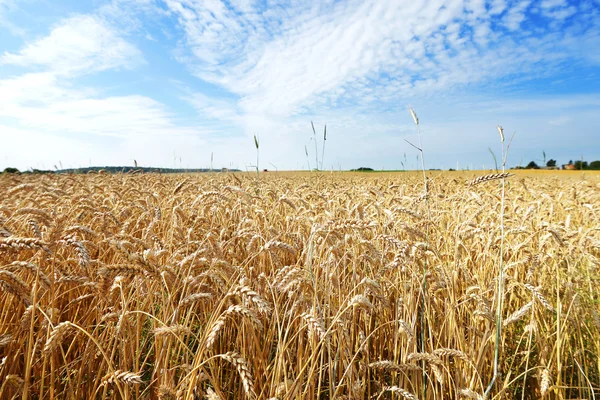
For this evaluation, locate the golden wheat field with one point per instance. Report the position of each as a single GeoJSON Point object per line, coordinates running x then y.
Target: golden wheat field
{"type": "Point", "coordinates": [299, 286]}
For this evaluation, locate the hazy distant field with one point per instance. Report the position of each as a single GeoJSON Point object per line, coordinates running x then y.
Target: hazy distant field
{"type": "Point", "coordinates": [298, 286]}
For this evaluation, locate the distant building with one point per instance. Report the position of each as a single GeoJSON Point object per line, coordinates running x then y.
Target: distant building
{"type": "Point", "coordinates": [569, 167]}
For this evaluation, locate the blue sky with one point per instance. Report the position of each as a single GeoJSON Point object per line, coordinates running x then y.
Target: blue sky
{"type": "Point", "coordinates": [170, 82]}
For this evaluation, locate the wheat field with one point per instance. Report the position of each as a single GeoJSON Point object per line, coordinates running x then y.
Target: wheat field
{"type": "Point", "coordinates": [298, 286]}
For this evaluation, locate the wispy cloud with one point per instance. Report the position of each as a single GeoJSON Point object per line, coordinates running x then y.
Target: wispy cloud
{"type": "Point", "coordinates": [369, 52]}
{"type": "Point", "coordinates": [39, 101]}
{"type": "Point", "coordinates": [557, 9]}
{"type": "Point", "coordinates": [52, 100]}
{"type": "Point", "coordinates": [80, 44]}
{"type": "Point", "coordinates": [6, 7]}
{"type": "Point", "coordinates": [223, 111]}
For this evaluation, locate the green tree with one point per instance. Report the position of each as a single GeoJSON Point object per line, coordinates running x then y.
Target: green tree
{"type": "Point", "coordinates": [594, 165]}
{"type": "Point", "coordinates": [532, 165]}
{"type": "Point", "coordinates": [551, 163]}
{"type": "Point", "coordinates": [581, 164]}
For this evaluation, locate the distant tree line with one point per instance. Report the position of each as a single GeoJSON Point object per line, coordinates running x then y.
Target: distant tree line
{"type": "Point", "coordinates": [594, 165]}
{"type": "Point", "coordinates": [577, 165]}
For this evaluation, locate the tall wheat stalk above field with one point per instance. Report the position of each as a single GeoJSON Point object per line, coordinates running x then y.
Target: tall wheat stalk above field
{"type": "Point", "coordinates": [500, 292]}
{"type": "Point", "coordinates": [323, 150]}
{"type": "Point", "coordinates": [422, 318]}
{"type": "Point", "coordinates": [316, 147]}
{"type": "Point", "coordinates": [307, 160]}
{"type": "Point", "coordinates": [257, 154]}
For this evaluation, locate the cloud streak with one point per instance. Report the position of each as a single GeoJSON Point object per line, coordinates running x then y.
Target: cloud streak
{"type": "Point", "coordinates": [80, 44]}
{"type": "Point", "coordinates": [371, 52]}
{"type": "Point", "coordinates": [51, 99]}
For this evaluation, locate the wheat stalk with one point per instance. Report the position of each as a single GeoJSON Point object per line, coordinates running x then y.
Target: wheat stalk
{"type": "Point", "coordinates": [315, 325]}
{"type": "Point", "coordinates": [517, 315]}
{"type": "Point", "coordinates": [536, 294]}
{"type": "Point", "coordinates": [220, 322]}
{"type": "Point", "coordinates": [242, 367]}
{"type": "Point", "coordinates": [388, 365]}
{"type": "Point", "coordinates": [490, 177]}
{"type": "Point", "coordinates": [545, 381]}
{"type": "Point", "coordinates": [57, 336]}
{"type": "Point", "coordinates": [130, 378]}
{"type": "Point", "coordinates": [469, 394]}
{"type": "Point", "coordinates": [177, 330]}
{"type": "Point", "coordinates": [21, 243]}
{"type": "Point", "coordinates": [11, 283]}
{"type": "Point", "coordinates": [401, 392]}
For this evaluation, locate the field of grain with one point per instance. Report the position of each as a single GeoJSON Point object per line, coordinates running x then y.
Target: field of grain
{"type": "Point", "coordinates": [298, 286]}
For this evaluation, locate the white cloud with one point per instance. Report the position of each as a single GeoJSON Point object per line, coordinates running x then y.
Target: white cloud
{"type": "Point", "coordinates": [6, 8]}
{"type": "Point", "coordinates": [497, 7]}
{"type": "Point", "coordinates": [32, 88]}
{"type": "Point", "coordinates": [44, 122]}
{"type": "Point", "coordinates": [39, 102]}
{"type": "Point", "coordinates": [347, 62]}
{"type": "Point", "coordinates": [549, 4]}
{"type": "Point", "coordinates": [120, 116]}
{"type": "Point", "coordinates": [560, 13]}
{"type": "Point", "coordinates": [80, 44]}
{"type": "Point", "coordinates": [516, 15]}
{"type": "Point", "coordinates": [214, 109]}
{"type": "Point", "coordinates": [363, 52]}
{"type": "Point", "coordinates": [51, 101]}
{"type": "Point", "coordinates": [558, 10]}
{"type": "Point", "coordinates": [54, 111]}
